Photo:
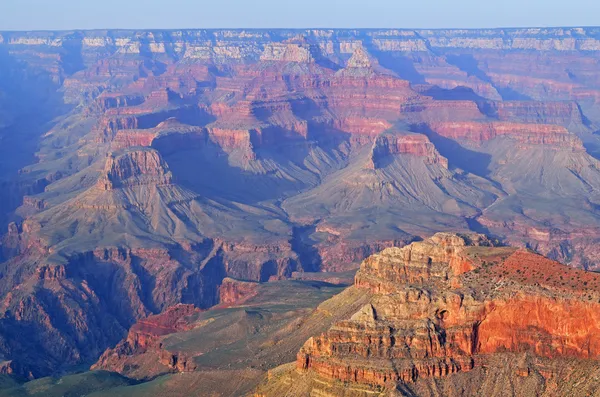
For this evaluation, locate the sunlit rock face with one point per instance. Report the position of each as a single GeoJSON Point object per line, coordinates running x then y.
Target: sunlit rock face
{"type": "Point", "coordinates": [445, 305]}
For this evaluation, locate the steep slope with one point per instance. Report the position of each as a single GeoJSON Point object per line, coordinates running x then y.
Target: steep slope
{"type": "Point", "coordinates": [550, 179]}
{"type": "Point", "coordinates": [397, 188]}
{"type": "Point", "coordinates": [136, 202]}
{"type": "Point", "coordinates": [553, 201]}
{"type": "Point", "coordinates": [453, 305]}
{"type": "Point", "coordinates": [29, 102]}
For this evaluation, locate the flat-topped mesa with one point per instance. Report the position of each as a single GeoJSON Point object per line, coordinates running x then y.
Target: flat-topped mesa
{"type": "Point", "coordinates": [443, 305]}
{"type": "Point", "coordinates": [431, 111]}
{"type": "Point", "coordinates": [412, 144]}
{"type": "Point", "coordinates": [133, 137]}
{"type": "Point", "coordinates": [112, 124]}
{"type": "Point", "coordinates": [107, 127]}
{"type": "Point", "coordinates": [154, 102]}
{"type": "Point", "coordinates": [533, 134]}
{"type": "Point", "coordinates": [297, 49]}
{"type": "Point", "coordinates": [231, 139]}
{"type": "Point", "coordinates": [159, 99]}
{"type": "Point", "coordinates": [167, 136]}
{"type": "Point", "coordinates": [134, 167]}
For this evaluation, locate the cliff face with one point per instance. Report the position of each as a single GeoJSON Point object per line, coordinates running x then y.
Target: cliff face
{"type": "Point", "coordinates": [448, 305]}
{"type": "Point", "coordinates": [145, 336]}
{"type": "Point", "coordinates": [536, 134]}
{"type": "Point", "coordinates": [415, 144]}
{"type": "Point", "coordinates": [135, 168]}
{"type": "Point", "coordinates": [171, 161]}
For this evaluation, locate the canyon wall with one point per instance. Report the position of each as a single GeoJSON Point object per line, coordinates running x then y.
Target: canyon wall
{"type": "Point", "coordinates": [144, 169]}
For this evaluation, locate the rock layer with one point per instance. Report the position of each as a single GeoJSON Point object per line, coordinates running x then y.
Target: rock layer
{"type": "Point", "coordinates": [440, 305]}
{"type": "Point", "coordinates": [141, 169]}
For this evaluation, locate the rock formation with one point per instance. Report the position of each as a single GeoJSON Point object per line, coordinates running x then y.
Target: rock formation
{"type": "Point", "coordinates": [144, 169]}
{"type": "Point", "coordinates": [449, 305]}
{"type": "Point", "coordinates": [233, 291]}
{"type": "Point", "coordinates": [415, 144]}
{"type": "Point", "coordinates": [139, 167]}
{"type": "Point", "coordinates": [145, 335]}
{"type": "Point", "coordinates": [536, 134]}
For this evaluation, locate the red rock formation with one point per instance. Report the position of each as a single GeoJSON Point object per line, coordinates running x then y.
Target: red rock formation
{"type": "Point", "coordinates": [108, 126]}
{"type": "Point", "coordinates": [438, 305]}
{"type": "Point", "coordinates": [293, 110]}
{"type": "Point", "coordinates": [116, 100]}
{"type": "Point", "coordinates": [231, 139]}
{"type": "Point", "coordinates": [432, 111]}
{"type": "Point", "coordinates": [234, 291]}
{"type": "Point", "coordinates": [146, 334]}
{"type": "Point", "coordinates": [535, 134]}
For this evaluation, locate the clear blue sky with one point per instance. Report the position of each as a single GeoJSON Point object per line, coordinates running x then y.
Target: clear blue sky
{"type": "Point", "coordinates": [91, 14]}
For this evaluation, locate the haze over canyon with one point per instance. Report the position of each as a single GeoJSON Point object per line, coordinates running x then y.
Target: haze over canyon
{"type": "Point", "coordinates": [197, 202]}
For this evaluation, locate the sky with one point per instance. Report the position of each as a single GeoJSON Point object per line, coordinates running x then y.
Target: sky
{"type": "Point", "coordinates": [180, 14]}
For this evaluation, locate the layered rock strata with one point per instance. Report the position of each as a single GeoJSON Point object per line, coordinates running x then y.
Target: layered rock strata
{"type": "Point", "coordinates": [441, 305]}
{"type": "Point", "coordinates": [186, 157]}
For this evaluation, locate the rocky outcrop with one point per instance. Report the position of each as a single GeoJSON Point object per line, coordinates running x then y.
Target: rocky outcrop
{"type": "Point", "coordinates": [134, 168]}
{"type": "Point", "coordinates": [535, 134]}
{"type": "Point", "coordinates": [410, 144]}
{"type": "Point", "coordinates": [441, 304]}
{"type": "Point", "coordinates": [293, 50]}
{"type": "Point", "coordinates": [235, 139]}
{"type": "Point", "coordinates": [146, 332]}
{"type": "Point", "coordinates": [145, 335]}
{"type": "Point", "coordinates": [361, 59]}
{"type": "Point", "coordinates": [234, 291]}
{"type": "Point", "coordinates": [107, 101]}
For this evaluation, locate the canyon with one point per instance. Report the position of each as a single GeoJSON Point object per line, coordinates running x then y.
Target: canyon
{"type": "Point", "coordinates": [153, 179]}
